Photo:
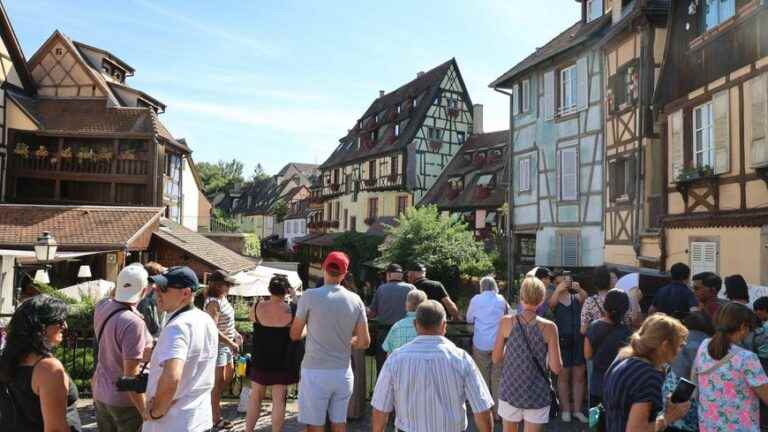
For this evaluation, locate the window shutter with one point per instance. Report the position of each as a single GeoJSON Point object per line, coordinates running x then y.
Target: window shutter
{"type": "Point", "coordinates": [526, 96]}
{"type": "Point", "coordinates": [549, 95]}
{"type": "Point", "coordinates": [525, 175]}
{"type": "Point", "coordinates": [569, 249]}
{"type": "Point", "coordinates": [515, 99]}
{"type": "Point", "coordinates": [675, 133]}
{"type": "Point", "coordinates": [703, 257]}
{"type": "Point", "coordinates": [759, 93]}
{"type": "Point", "coordinates": [722, 131]}
{"type": "Point", "coordinates": [612, 172]}
{"type": "Point", "coordinates": [582, 86]}
{"type": "Point", "coordinates": [630, 165]}
{"type": "Point", "coordinates": [568, 174]}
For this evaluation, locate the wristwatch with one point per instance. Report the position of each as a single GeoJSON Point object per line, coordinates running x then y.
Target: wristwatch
{"type": "Point", "coordinates": [153, 417]}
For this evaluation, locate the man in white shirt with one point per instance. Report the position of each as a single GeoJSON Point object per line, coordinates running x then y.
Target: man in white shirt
{"type": "Point", "coordinates": [428, 381]}
{"type": "Point", "coordinates": [485, 312]}
{"type": "Point", "coordinates": [183, 362]}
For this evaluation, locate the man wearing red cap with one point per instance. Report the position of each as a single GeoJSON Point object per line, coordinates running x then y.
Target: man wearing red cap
{"type": "Point", "coordinates": [336, 322]}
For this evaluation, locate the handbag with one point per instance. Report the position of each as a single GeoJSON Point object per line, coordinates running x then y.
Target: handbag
{"type": "Point", "coordinates": [554, 402]}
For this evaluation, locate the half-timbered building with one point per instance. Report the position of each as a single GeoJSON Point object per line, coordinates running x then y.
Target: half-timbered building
{"type": "Point", "coordinates": [633, 51]}
{"type": "Point", "coordinates": [88, 137]}
{"type": "Point", "coordinates": [473, 184]}
{"type": "Point", "coordinates": [397, 150]}
{"type": "Point", "coordinates": [15, 76]}
{"type": "Point", "coordinates": [713, 101]}
{"type": "Point", "coordinates": [557, 147]}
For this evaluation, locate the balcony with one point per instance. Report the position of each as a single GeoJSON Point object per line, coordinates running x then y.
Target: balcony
{"type": "Point", "coordinates": [389, 182]}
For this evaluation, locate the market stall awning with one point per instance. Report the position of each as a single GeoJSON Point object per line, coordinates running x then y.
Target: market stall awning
{"type": "Point", "coordinates": [95, 289]}
{"type": "Point", "coordinates": [28, 256]}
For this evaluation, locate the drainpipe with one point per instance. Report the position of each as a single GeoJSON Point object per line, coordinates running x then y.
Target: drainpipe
{"type": "Point", "coordinates": [510, 198]}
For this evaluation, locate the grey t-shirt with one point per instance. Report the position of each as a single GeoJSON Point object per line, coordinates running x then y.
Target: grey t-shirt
{"type": "Point", "coordinates": [389, 301]}
{"type": "Point", "coordinates": [331, 313]}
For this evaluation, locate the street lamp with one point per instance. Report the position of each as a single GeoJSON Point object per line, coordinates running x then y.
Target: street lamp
{"type": "Point", "coordinates": [45, 247]}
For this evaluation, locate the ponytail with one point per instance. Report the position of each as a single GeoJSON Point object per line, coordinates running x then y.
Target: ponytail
{"type": "Point", "coordinates": [729, 320]}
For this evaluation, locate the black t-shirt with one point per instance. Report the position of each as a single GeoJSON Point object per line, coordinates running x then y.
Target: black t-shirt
{"type": "Point", "coordinates": [434, 289]}
{"type": "Point", "coordinates": [675, 299]}
{"type": "Point", "coordinates": [606, 341]}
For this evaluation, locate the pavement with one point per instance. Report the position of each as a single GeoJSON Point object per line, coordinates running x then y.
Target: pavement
{"type": "Point", "coordinates": [88, 417]}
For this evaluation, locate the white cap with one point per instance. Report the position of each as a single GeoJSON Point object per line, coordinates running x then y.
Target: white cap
{"type": "Point", "coordinates": [130, 283]}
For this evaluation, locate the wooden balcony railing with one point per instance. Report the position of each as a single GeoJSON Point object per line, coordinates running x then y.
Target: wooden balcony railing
{"type": "Point", "coordinates": [133, 167]}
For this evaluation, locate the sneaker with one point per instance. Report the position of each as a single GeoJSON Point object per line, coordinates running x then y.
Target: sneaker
{"type": "Point", "coordinates": [565, 417]}
{"type": "Point", "coordinates": [581, 417]}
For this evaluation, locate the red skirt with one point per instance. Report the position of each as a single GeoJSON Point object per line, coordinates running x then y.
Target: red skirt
{"type": "Point", "coordinates": [273, 377]}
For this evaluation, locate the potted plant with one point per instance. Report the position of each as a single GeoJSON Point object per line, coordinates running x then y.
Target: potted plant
{"type": "Point", "coordinates": [690, 174]}
{"type": "Point", "coordinates": [22, 150]}
{"type": "Point", "coordinates": [127, 154]}
{"type": "Point", "coordinates": [41, 152]}
{"type": "Point", "coordinates": [66, 153]}
{"type": "Point", "coordinates": [85, 153]}
{"type": "Point", "coordinates": [103, 154]}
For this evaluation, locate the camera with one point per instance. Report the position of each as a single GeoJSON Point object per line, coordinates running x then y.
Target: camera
{"type": "Point", "coordinates": [136, 384]}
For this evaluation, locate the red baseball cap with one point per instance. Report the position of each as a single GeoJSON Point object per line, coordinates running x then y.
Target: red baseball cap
{"type": "Point", "coordinates": [336, 262]}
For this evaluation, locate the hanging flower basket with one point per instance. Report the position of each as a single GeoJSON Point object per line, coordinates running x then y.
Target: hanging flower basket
{"type": "Point", "coordinates": [41, 152]}
{"type": "Point", "coordinates": [21, 150]}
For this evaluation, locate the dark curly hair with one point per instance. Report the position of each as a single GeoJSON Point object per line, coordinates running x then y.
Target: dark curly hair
{"type": "Point", "coordinates": [26, 332]}
{"type": "Point", "coordinates": [279, 285]}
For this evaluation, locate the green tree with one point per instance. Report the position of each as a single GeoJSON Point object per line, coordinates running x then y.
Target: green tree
{"type": "Point", "coordinates": [443, 244]}
{"type": "Point", "coordinates": [280, 210]}
{"type": "Point", "coordinates": [361, 249]}
{"type": "Point", "coordinates": [259, 174]}
{"type": "Point", "coordinates": [220, 176]}
{"type": "Point", "coordinates": [252, 245]}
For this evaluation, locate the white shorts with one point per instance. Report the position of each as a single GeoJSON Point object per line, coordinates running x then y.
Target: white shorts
{"type": "Point", "coordinates": [515, 415]}
{"type": "Point", "coordinates": [324, 391]}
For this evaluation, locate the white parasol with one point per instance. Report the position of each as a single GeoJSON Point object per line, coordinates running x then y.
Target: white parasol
{"type": "Point", "coordinates": [628, 281]}
{"type": "Point", "coordinates": [95, 289]}
{"type": "Point", "coordinates": [255, 282]}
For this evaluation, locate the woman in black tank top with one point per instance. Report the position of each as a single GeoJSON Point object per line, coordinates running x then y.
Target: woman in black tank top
{"type": "Point", "coordinates": [275, 358]}
{"type": "Point", "coordinates": [35, 391]}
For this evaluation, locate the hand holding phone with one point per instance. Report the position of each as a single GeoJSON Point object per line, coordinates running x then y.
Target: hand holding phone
{"type": "Point", "coordinates": [683, 392]}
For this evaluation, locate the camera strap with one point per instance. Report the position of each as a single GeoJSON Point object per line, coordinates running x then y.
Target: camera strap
{"type": "Point", "coordinates": [179, 312]}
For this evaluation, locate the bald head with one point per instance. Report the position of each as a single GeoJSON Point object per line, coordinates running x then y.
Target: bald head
{"type": "Point", "coordinates": [430, 318]}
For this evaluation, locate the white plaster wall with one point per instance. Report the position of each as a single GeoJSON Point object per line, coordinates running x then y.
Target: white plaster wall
{"type": "Point", "coordinates": [190, 195]}
{"type": "Point", "coordinates": [294, 228]}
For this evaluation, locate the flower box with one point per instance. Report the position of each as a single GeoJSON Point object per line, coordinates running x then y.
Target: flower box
{"type": "Point", "coordinates": [22, 150]}
{"type": "Point", "coordinates": [41, 152]}
{"type": "Point", "coordinates": [127, 155]}
{"type": "Point", "coordinates": [66, 153]}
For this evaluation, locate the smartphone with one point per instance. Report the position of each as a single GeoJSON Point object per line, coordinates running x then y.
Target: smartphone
{"type": "Point", "coordinates": [683, 392]}
{"type": "Point", "coordinates": [569, 279]}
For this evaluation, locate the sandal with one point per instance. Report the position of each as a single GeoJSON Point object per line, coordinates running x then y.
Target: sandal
{"type": "Point", "coordinates": [223, 425]}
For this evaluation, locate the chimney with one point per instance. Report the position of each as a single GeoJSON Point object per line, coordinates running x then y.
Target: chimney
{"type": "Point", "coordinates": [616, 11]}
{"type": "Point", "coordinates": [381, 93]}
{"type": "Point", "coordinates": [477, 118]}
{"type": "Point", "coordinates": [419, 74]}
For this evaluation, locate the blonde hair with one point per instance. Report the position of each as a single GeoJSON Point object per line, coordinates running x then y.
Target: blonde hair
{"type": "Point", "coordinates": [656, 329]}
{"type": "Point", "coordinates": [532, 291]}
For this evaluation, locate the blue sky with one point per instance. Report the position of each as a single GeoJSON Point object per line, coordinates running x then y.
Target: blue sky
{"type": "Point", "coordinates": [273, 82]}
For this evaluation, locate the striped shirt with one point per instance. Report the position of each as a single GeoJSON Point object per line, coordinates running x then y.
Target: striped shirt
{"type": "Point", "coordinates": [627, 382]}
{"type": "Point", "coordinates": [401, 333]}
{"type": "Point", "coordinates": [226, 323]}
{"type": "Point", "coordinates": [427, 382]}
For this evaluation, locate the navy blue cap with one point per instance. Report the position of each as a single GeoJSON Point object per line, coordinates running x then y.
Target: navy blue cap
{"type": "Point", "coordinates": [177, 277]}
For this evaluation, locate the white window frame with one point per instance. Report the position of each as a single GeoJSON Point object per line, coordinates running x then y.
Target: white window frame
{"type": "Point", "coordinates": [723, 11]}
{"type": "Point", "coordinates": [526, 96]}
{"type": "Point", "coordinates": [703, 136]}
{"type": "Point", "coordinates": [568, 83]}
{"type": "Point", "coordinates": [524, 179]}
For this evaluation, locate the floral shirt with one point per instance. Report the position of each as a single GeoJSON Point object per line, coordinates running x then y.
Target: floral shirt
{"type": "Point", "coordinates": [691, 420]}
{"type": "Point", "coordinates": [593, 310]}
{"type": "Point", "coordinates": [726, 396]}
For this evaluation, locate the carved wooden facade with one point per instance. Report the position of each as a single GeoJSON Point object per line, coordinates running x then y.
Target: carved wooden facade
{"type": "Point", "coordinates": [714, 99]}
{"type": "Point", "coordinates": [557, 142]}
{"type": "Point", "coordinates": [396, 151]}
{"type": "Point", "coordinates": [83, 140]}
{"type": "Point", "coordinates": [632, 55]}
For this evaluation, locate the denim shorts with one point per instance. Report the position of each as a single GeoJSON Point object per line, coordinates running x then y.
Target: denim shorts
{"type": "Point", "coordinates": [224, 357]}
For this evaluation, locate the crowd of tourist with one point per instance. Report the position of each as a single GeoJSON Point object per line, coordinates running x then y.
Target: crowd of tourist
{"type": "Point", "coordinates": [693, 362]}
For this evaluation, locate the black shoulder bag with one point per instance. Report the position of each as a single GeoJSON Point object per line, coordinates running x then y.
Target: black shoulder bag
{"type": "Point", "coordinates": [554, 402]}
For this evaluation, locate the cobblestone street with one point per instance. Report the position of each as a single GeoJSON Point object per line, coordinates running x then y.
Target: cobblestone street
{"type": "Point", "coordinates": [291, 425]}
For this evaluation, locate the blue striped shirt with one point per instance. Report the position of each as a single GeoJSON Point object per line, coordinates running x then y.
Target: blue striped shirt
{"type": "Point", "coordinates": [627, 382]}
{"type": "Point", "coordinates": [427, 382]}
